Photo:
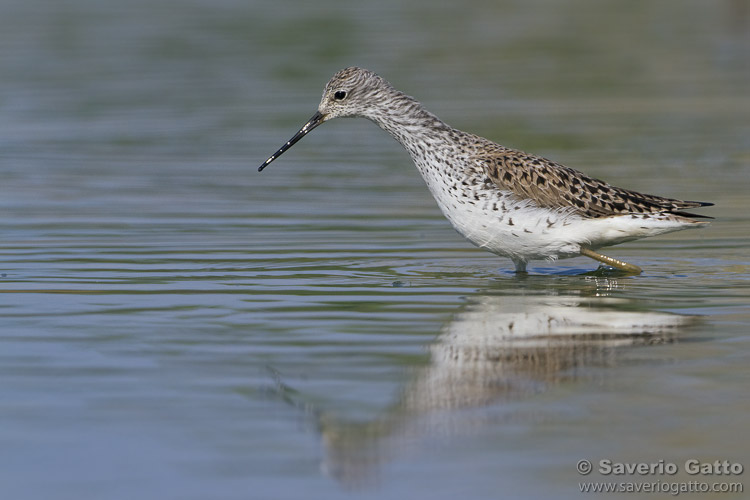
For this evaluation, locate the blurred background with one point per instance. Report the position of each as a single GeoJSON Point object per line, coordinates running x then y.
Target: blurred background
{"type": "Point", "coordinates": [177, 325]}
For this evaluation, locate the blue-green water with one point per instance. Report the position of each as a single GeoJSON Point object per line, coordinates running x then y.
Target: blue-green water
{"type": "Point", "coordinates": [177, 325]}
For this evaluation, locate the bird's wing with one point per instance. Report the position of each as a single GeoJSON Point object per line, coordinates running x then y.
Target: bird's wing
{"type": "Point", "coordinates": [552, 185]}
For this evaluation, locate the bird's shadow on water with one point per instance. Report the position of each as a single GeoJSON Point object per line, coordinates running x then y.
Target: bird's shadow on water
{"type": "Point", "coordinates": [603, 271]}
{"type": "Point", "coordinates": [506, 344]}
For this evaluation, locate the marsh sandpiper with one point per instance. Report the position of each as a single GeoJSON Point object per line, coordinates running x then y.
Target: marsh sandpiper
{"type": "Point", "coordinates": [508, 202]}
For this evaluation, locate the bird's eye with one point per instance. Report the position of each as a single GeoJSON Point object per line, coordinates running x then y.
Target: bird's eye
{"type": "Point", "coordinates": [339, 95]}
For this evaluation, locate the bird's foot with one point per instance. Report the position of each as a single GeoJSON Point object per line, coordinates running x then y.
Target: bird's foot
{"type": "Point", "coordinates": [628, 269]}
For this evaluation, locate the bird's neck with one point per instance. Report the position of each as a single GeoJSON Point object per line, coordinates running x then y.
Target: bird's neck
{"type": "Point", "coordinates": [407, 121]}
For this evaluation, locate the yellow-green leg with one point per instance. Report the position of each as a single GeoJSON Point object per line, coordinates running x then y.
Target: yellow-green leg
{"type": "Point", "coordinates": [623, 266]}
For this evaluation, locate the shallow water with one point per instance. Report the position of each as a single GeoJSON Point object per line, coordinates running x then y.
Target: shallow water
{"type": "Point", "coordinates": [176, 325]}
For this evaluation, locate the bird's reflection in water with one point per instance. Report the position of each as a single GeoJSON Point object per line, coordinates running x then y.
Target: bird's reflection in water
{"type": "Point", "coordinates": [497, 348]}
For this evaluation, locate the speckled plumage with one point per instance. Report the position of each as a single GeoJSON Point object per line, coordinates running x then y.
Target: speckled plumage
{"type": "Point", "coordinates": [509, 202]}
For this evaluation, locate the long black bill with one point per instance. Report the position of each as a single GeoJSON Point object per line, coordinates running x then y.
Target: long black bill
{"type": "Point", "coordinates": [313, 122]}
